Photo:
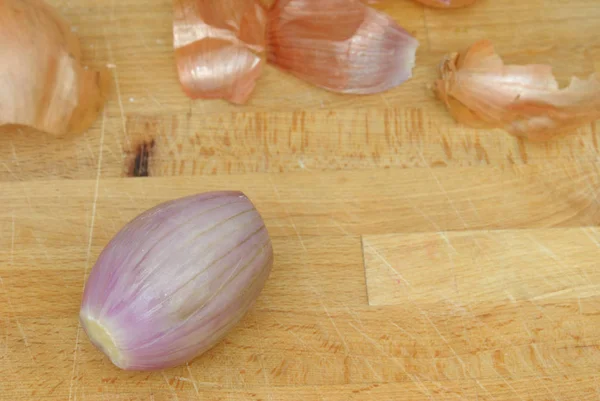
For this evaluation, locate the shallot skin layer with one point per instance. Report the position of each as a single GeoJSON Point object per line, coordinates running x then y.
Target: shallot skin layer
{"type": "Point", "coordinates": [340, 45]}
{"type": "Point", "coordinates": [42, 81]}
{"type": "Point", "coordinates": [219, 47]}
{"type": "Point", "coordinates": [481, 91]}
{"type": "Point", "coordinates": [176, 279]}
{"type": "Point", "coordinates": [447, 3]}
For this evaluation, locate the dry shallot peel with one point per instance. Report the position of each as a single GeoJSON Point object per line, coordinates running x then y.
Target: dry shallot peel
{"type": "Point", "coordinates": [481, 91]}
{"type": "Point", "coordinates": [219, 47]}
{"type": "Point", "coordinates": [437, 3]}
{"type": "Point", "coordinates": [42, 82]}
{"type": "Point", "coordinates": [341, 45]}
{"type": "Point", "coordinates": [447, 3]}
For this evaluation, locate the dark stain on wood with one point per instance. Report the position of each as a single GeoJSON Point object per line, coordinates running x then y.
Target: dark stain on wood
{"type": "Point", "coordinates": [142, 145]}
{"type": "Point", "coordinates": [141, 162]}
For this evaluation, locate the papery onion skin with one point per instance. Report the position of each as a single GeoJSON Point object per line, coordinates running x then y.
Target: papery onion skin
{"type": "Point", "coordinates": [341, 45]}
{"type": "Point", "coordinates": [176, 279]}
{"type": "Point", "coordinates": [436, 3]}
{"type": "Point", "coordinates": [481, 91]}
{"type": "Point", "coordinates": [447, 3]}
{"type": "Point", "coordinates": [219, 47]}
{"type": "Point", "coordinates": [43, 83]}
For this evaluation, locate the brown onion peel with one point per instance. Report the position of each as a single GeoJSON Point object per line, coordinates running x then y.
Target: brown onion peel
{"type": "Point", "coordinates": [44, 85]}
{"type": "Point", "coordinates": [341, 45]}
{"type": "Point", "coordinates": [479, 90]}
{"type": "Point", "coordinates": [219, 47]}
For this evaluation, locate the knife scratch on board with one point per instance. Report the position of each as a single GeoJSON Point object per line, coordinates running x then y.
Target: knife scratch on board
{"type": "Point", "coordinates": [511, 345]}
{"type": "Point", "coordinates": [342, 229]}
{"type": "Point", "coordinates": [14, 315]}
{"type": "Point", "coordinates": [426, 217]}
{"type": "Point", "coordinates": [586, 231]}
{"type": "Point", "coordinates": [12, 240]}
{"type": "Point", "coordinates": [347, 354]}
{"type": "Point", "coordinates": [447, 240]}
{"type": "Point", "coordinates": [6, 355]}
{"type": "Point", "coordinates": [386, 263]}
{"type": "Point", "coordinates": [89, 247]}
{"type": "Point", "coordinates": [443, 189]}
{"type": "Point", "coordinates": [261, 363]}
{"type": "Point", "coordinates": [289, 216]}
{"type": "Point", "coordinates": [10, 171]}
{"type": "Point", "coordinates": [475, 211]}
{"type": "Point", "coordinates": [459, 359]}
{"type": "Point", "coordinates": [305, 346]}
{"type": "Point", "coordinates": [596, 386]}
{"type": "Point", "coordinates": [169, 385]}
{"type": "Point", "coordinates": [14, 151]}
{"type": "Point", "coordinates": [74, 363]}
{"type": "Point", "coordinates": [193, 380]}
{"type": "Point", "coordinates": [118, 88]}
{"type": "Point", "coordinates": [415, 379]}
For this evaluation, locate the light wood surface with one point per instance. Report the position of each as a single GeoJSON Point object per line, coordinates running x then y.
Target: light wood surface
{"type": "Point", "coordinates": [414, 259]}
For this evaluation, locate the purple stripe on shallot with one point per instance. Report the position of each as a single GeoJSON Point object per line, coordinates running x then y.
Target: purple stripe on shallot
{"type": "Point", "coordinates": [176, 279]}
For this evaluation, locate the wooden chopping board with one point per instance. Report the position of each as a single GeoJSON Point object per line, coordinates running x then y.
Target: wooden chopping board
{"type": "Point", "coordinates": [415, 259]}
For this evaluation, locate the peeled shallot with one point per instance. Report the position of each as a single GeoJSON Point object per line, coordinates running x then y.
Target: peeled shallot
{"type": "Point", "coordinates": [340, 45]}
{"type": "Point", "coordinates": [481, 91]}
{"type": "Point", "coordinates": [43, 84]}
{"type": "Point", "coordinates": [176, 279]}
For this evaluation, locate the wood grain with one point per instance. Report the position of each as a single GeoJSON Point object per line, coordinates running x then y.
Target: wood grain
{"type": "Point", "coordinates": [288, 125]}
{"type": "Point", "coordinates": [495, 238]}
{"type": "Point", "coordinates": [313, 325]}
{"type": "Point", "coordinates": [274, 142]}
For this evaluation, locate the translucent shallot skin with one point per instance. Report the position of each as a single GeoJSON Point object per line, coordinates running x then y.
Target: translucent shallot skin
{"type": "Point", "coordinates": [447, 3]}
{"type": "Point", "coordinates": [481, 91]}
{"type": "Point", "coordinates": [219, 47]}
{"type": "Point", "coordinates": [42, 82]}
{"type": "Point", "coordinates": [340, 45]}
{"type": "Point", "coordinates": [173, 282]}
